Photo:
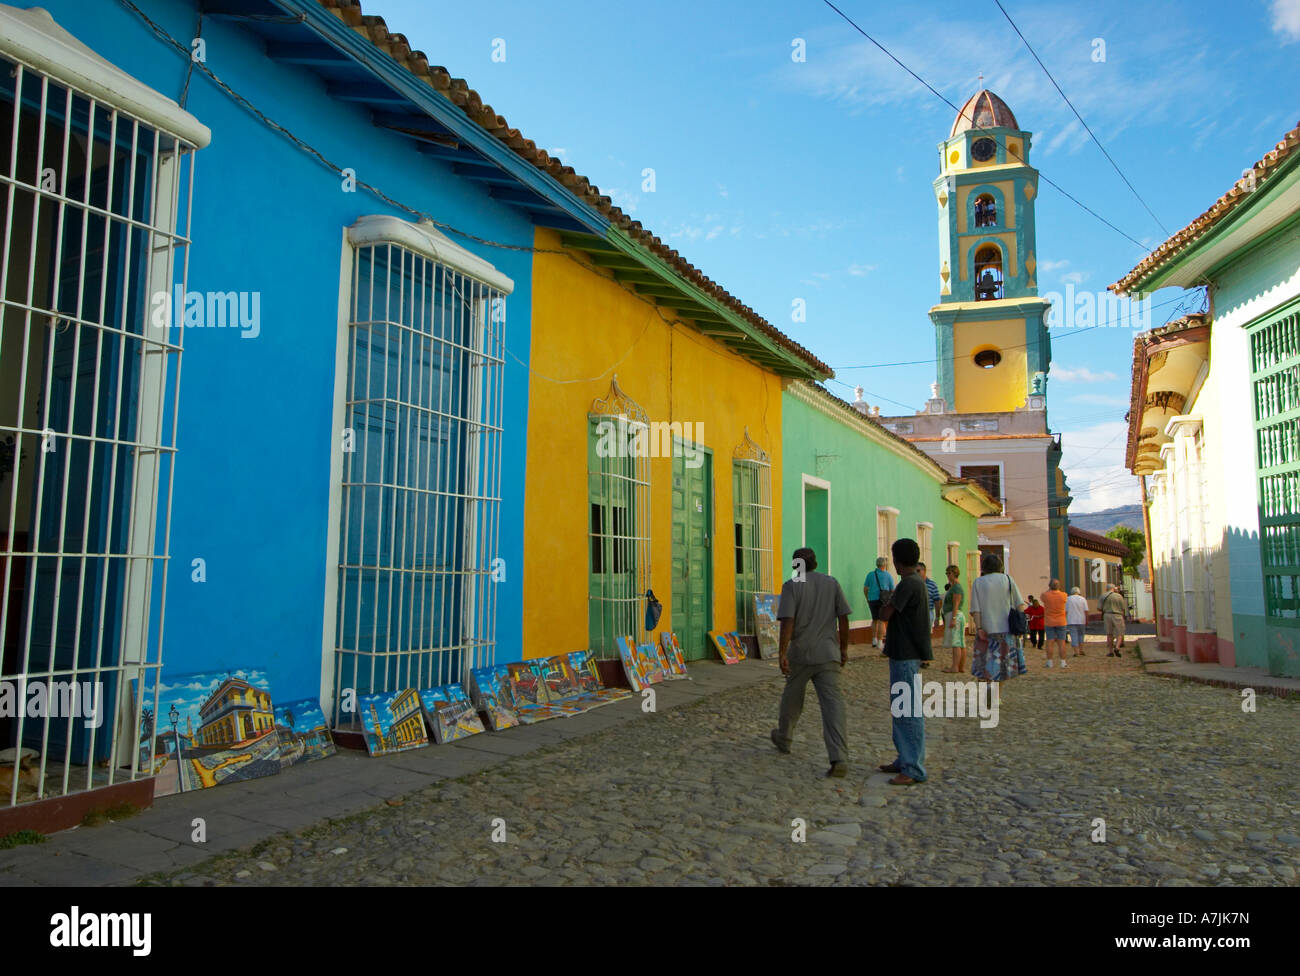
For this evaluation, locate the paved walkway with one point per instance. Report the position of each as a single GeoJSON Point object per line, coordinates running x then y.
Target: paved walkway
{"type": "Point", "coordinates": [1169, 664]}
{"type": "Point", "coordinates": [1191, 789]}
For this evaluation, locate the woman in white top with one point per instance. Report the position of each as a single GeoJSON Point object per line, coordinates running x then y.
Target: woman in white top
{"type": "Point", "coordinates": [1076, 618]}
{"type": "Point", "coordinates": [992, 598]}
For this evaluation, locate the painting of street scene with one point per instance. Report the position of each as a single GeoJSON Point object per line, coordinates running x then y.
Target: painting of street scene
{"type": "Point", "coordinates": [450, 713]}
{"type": "Point", "coordinates": [493, 699]}
{"type": "Point", "coordinates": [210, 728]}
{"type": "Point", "coordinates": [392, 721]}
{"type": "Point", "coordinates": [304, 733]}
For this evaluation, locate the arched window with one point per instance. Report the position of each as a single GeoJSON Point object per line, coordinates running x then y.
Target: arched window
{"type": "Point", "coordinates": [988, 273]}
{"type": "Point", "coordinates": [986, 210]}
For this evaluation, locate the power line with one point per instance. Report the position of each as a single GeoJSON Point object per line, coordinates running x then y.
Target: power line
{"type": "Point", "coordinates": [1080, 118]}
{"type": "Point", "coordinates": [1077, 202]}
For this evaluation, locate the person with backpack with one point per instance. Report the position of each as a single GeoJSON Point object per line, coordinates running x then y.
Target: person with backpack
{"type": "Point", "coordinates": [874, 588]}
{"type": "Point", "coordinates": [997, 610]}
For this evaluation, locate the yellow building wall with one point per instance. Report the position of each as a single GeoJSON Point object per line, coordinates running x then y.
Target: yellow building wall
{"type": "Point", "coordinates": [586, 328]}
{"type": "Point", "coordinates": [1007, 216]}
{"type": "Point", "coordinates": [1005, 386]}
{"type": "Point", "coordinates": [1088, 555]}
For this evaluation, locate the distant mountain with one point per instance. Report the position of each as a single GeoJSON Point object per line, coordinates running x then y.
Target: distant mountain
{"type": "Point", "coordinates": [1107, 519]}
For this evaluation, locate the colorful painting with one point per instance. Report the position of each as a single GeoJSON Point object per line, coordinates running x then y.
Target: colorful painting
{"type": "Point", "coordinates": [737, 645]}
{"type": "Point", "coordinates": [649, 666]}
{"type": "Point", "coordinates": [631, 666]}
{"type": "Point", "coordinates": [767, 625]}
{"type": "Point", "coordinates": [672, 650]}
{"type": "Point", "coordinates": [450, 713]}
{"type": "Point", "coordinates": [592, 693]}
{"type": "Point", "coordinates": [492, 699]}
{"type": "Point", "coordinates": [393, 721]}
{"type": "Point", "coordinates": [528, 693]}
{"type": "Point", "coordinates": [304, 733]}
{"type": "Point", "coordinates": [211, 728]}
{"type": "Point", "coordinates": [560, 682]}
{"type": "Point", "coordinates": [723, 646]}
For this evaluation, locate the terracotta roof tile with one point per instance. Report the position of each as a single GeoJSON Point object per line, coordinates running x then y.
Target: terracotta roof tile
{"type": "Point", "coordinates": [1239, 192]}
{"type": "Point", "coordinates": [458, 92]}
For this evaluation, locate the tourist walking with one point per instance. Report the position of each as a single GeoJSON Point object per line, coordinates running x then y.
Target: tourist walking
{"type": "Point", "coordinates": [935, 600]}
{"type": "Point", "coordinates": [907, 644]}
{"type": "Point", "coordinates": [1054, 621]}
{"type": "Point", "coordinates": [1076, 619]}
{"type": "Point", "coordinates": [953, 612]}
{"type": "Point", "coordinates": [1035, 614]}
{"type": "Point", "coordinates": [814, 615]}
{"type": "Point", "coordinates": [992, 598]}
{"type": "Point", "coordinates": [1113, 607]}
{"type": "Point", "coordinates": [874, 587]}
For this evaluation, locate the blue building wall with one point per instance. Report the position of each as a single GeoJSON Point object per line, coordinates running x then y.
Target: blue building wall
{"type": "Point", "coordinates": [255, 435]}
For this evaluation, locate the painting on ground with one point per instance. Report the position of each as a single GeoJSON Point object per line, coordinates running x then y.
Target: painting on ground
{"type": "Point", "coordinates": [768, 627]}
{"type": "Point", "coordinates": [673, 651]}
{"type": "Point", "coordinates": [492, 699]}
{"type": "Point", "coordinates": [649, 666]}
{"type": "Point", "coordinates": [450, 713]}
{"type": "Point", "coordinates": [722, 644]}
{"type": "Point", "coordinates": [304, 733]}
{"type": "Point", "coordinates": [631, 666]}
{"type": "Point", "coordinates": [393, 721]}
{"type": "Point", "coordinates": [211, 728]}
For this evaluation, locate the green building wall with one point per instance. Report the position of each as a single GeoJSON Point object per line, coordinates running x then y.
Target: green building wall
{"type": "Point", "coordinates": [863, 474]}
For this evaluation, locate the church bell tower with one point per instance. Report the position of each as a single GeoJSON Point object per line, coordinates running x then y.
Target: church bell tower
{"type": "Point", "coordinates": [991, 339]}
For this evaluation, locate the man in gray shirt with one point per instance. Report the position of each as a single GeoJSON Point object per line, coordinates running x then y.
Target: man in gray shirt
{"type": "Point", "coordinates": [814, 617]}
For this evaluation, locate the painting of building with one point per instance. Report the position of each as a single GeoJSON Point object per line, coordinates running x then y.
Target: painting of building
{"type": "Point", "coordinates": [303, 731]}
{"type": "Point", "coordinates": [213, 728]}
{"type": "Point", "coordinates": [392, 721]}
{"type": "Point", "coordinates": [450, 713]}
{"type": "Point", "coordinates": [492, 698]}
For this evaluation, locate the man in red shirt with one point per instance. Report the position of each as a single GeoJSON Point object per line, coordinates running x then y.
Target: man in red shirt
{"type": "Point", "coordinates": [1054, 621]}
{"type": "Point", "coordinates": [1035, 614]}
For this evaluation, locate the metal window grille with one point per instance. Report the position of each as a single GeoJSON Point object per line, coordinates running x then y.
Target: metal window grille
{"type": "Point", "coordinates": [618, 468]}
{"type": "Point", "coordinates": [421, 492]}
{"type": "Point", "coordinates": [96, 216]}
{"type": "Point", "coordinates": [1275, 378]}
{"type": "Point", "coordinates": [752, 504]}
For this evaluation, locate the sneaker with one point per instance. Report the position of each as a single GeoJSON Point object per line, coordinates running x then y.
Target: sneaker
{"type": "Point", "coordinates": [1049, 663]}
{"type": "Point", "coordinates": [1062, 665]}
{"type": "Point", "coordinates": [875, 642]}
{"type": "Point", "coordinates": [838, 770]}
{"type": "Point", "coordinates": [781, 746]}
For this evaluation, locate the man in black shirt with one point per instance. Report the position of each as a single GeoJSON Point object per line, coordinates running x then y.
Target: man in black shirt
{"type": "Point", "coordinates": [907, 645]}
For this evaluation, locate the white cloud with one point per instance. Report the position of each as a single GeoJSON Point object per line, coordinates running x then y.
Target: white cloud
{"type": "Point", "coordinates": [1080, 374]}
{"type": "Point", "coordinates": [859, 270]}
{"type": "Point", "coordinates": [1075, 277]}
{"type": "Point", "coordinates": [1046, 266]}
{"type": "Point", "coordinates": [1101, 399]}
{"type": "Point", "coordinates": [624, 200]}
{"type": "Point", "coordinates": [1093, 462]}
{"type": "Point", "coordinates": [1286, 20]}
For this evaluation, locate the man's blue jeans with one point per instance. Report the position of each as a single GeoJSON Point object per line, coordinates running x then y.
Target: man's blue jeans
{"type": "Point", "coordinates": [909, 733]}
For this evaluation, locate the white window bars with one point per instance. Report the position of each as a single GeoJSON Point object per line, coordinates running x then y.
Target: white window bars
{"type": "Point", "coordinates": [752, 504]}
{"type": "Point", "coordinates": [96, 207]}
{"type": "Point", "coordinates": [618, 494]}
{"type": "Point", "coordinates": [421, 489]}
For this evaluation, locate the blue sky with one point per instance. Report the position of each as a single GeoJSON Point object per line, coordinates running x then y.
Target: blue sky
{"type": "Point", "coordinates": [784, 180]}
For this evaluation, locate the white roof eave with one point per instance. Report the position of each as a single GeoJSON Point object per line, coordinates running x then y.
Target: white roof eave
{"type": "Point", "coordinates": [33, 37]}
{"type": "Point", "coordinates": [425, 239]}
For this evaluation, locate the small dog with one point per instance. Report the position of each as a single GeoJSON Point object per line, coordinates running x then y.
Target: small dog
{"type": "Point", "coordinates": [29, 777]}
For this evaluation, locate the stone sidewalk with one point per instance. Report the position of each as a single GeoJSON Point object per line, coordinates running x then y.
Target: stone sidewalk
{"type": "Point", "coordinates": [1169, 664]}
{"type": "Point", "coordinates": [243, 814]}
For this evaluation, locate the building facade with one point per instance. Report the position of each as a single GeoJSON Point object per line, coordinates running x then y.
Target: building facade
{"type": "Point", "coordinates": [986, 419]}
{"type": "Point", "coordinates": [851, 488]}
{"type": "Point", "coordinates": [1214, 425]}
{"type": "Point", "coordinates": [1095, 563]}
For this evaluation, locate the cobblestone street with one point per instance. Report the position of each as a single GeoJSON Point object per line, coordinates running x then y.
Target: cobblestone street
{"type": "Point", "coordinates": [1192, 790]}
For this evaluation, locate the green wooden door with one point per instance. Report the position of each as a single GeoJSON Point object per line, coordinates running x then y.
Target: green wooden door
{"type": "Point", "coordinates": [816, 524]}
{"type": "Point", "coordinates": [692, 613]}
